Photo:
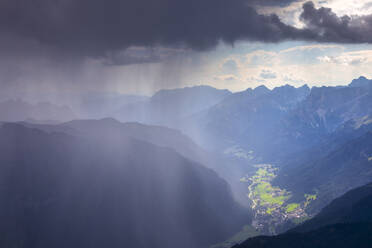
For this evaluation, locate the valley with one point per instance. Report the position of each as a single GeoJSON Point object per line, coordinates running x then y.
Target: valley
{"type": "Point", "coordinates": [210, 177]}
{"type": "Point", "coordinates": [272, 205]}
{"type": "Point", "coordinates": [346, 222]}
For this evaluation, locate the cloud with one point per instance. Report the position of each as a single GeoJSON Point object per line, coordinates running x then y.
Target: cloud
{"type": "Point", "coordinates": [367, 5]}
{"type": "Point", "coordinates": [229, 66]}
{"type": "Point", "coordinates": [226, 77]}
{"type": "Point", "coordinates": [321, 47]}
{"type": "Point", "coordinates": [262, 57]}
{"type": "Point", "coordinates": [279, 3]}
{"type": "Point", "coordinates": [141, 55]}
{"type": "Point", "coordinates": [297, 64]}
{"type": "Point", "coordinates": [125, 58]}
{"type": "Point", "coordinates": [231, 78]}
{"type": "Point", "coordinates": [267, 74]}
{"type": "Point", "coordinates": [349, 58]}
{"type": "Point", "coordinates": [95, 27]}
{"type": "Point", "coordinates": [290, 79]}
{"type": "Point", "coordinates": [332, 28]}
{"type": "Point", "coordinates": [61, 44]}
{"type": "Point", "coordinates": [254, 81]}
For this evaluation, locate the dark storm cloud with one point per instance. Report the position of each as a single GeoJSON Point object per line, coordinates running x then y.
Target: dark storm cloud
{"type": "Point", "coordinates": [100, 27]}
{"type": "Point", "coordinates": [272, 2]}
{"type": "Point", "coordinates": [94, 27]}
{"type": "Point", "coordinates": [331, 28]}
{"type": "Point", "coordinates": [141, 55]}
{"type": "Point", "coordinates": [129, 57]}
{"type": "Point", "coordinates": [119, 59]}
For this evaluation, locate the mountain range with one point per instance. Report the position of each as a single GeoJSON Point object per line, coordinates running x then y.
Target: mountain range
{"type": "Point", "coordinates": [61, 189]}
{"type": "Point", "coordinates": [247, 118]}
{"type": "Point", "coordinates": [190, 167]}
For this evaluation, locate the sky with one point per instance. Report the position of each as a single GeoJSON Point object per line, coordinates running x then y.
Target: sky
{"type": "Point", "coordinates": [56, 50]}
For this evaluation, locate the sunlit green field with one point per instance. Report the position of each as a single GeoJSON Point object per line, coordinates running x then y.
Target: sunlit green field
{"type": "Point", "coordinates": [262, 190]}
{"type": "Point", "coordinates": [269, 197]}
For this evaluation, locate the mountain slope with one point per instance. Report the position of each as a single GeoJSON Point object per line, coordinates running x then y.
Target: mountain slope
{"type": "Point", "coordinates": [361, 82]}
{"type": "Point", "coordinates": [354, 206]}
{"type": "Point", "coordinates": [248, 119]}
{"type": "Point", "coordinates": [157, 135]}
{"type": "Point", "coordinates": [346, 223]}
{"type": "Point", "coordinates": [324, 111]}
{"type": "Point", "coordinates": [61, 190]}
{"type": "Point", "coordinates": [331, 174]}
{"type": "Point", "coordinates": [275, 123]}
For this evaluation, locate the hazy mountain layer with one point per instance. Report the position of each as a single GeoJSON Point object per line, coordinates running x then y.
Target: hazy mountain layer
{"type": "Point", "coordinates": [62, 190]}
{"type": "Point", "coordinates": [18, 110]}
{"type": "Point", "coordinates": [169, 107]}
{"type": "Point", "coordinates": [248, 119]}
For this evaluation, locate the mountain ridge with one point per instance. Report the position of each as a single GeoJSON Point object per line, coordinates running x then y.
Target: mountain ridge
{"type": "Point", "coordinates": [106, 192]}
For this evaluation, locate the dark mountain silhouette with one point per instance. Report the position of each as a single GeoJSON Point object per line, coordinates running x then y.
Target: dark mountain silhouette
{"type": "Point", "coordinates": [355, 235]}
{"type": "Point", "coordinates": [63, 190]}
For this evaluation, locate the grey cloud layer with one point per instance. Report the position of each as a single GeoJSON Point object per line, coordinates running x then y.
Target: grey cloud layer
{"type": "Point", "coordinates": [96, 27]}
{"type": "Point", "coordinates": [331, 28]}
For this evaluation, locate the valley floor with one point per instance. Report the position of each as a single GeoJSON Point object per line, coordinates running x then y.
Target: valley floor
{"type": "Point", "coordinates": [272, 205]}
